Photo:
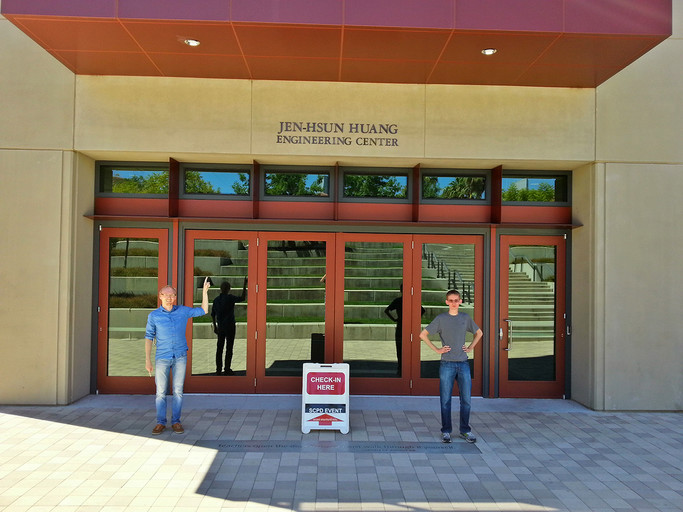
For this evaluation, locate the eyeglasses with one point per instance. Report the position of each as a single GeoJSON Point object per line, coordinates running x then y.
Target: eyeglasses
{"type": "Point", "coordinates": [452, 300]}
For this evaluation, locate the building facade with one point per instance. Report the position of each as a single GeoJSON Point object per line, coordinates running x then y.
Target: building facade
{"type": "Point", "coordinates": [552, 207]}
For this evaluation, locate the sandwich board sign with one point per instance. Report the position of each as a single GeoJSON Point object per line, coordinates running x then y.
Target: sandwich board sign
{"type": "Point", "coordinates": [325, 397]}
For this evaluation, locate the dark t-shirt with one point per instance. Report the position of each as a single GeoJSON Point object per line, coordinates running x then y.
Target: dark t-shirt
{"type": "Point", "coordinates": [397, 305]}
{"type": "Point", "coordinates": [223, 309]}
{"type": "Point", "coordinates": [452, 329]}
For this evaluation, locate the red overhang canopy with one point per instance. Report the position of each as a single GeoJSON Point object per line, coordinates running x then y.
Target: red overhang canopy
{"type": "Point", "coordinates": [554, 43]}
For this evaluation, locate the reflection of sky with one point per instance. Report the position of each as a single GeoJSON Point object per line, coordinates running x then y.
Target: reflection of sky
{"type": "Point", "coordinates": [126, 175]}
{"type": "Point", "coordinates": [312, 178]}
{"type": "Point", "coordinates": [445, 181]}
{"type": "Point", "coordinates": [527, 183]}
{"type": "Point", "coordinates": [222, 181]}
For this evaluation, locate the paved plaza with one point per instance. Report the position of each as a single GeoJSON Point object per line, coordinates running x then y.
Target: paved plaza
{"type": "Point", "coordinates": [247, 452]}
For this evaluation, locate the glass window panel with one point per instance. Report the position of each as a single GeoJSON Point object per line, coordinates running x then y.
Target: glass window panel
{"type": "Point", "coordinates": [532, 189]}
{"type": "Point", "coordinates": [133, 280]}
{"type": "Point", "coordinates": [297, 184]}
{"type": "Point", "coordinates": [133, 180]}
{"type": "Point", "coordinates": [453, 187]}
{"type": "Point", "coordinates": [225, 348]}
{"type": "Point", "coordinates": [295, 310]}
{"type": "Point", "coordinates": [377, 186]}
{"type": "Point", "coordinates": [445, 267]}
{"type": "Point", "coordinates": [531, 311]}
{"type": "Point", "coordinates": [373, 276]}
{"type": "Point", "coordinates": [216, 182]}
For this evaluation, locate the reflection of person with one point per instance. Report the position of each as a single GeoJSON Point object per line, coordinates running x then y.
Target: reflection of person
{"type": "Point", "coordinates": [397, 307]}
{"type": "Point", "coordinates": [168, 324]}
{"type": "Point", "coordinates": [223, 320]}
{"type": "Point", "coordinates": [452, 327]}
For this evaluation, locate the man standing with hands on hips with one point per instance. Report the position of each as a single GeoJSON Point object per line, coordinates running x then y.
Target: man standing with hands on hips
{"type": "Point", "coordinates": [452, 327]}
{"type": "Point", "coordinates": [168, 324]}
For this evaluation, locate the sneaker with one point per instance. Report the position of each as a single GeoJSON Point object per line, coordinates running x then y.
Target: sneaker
{"type": "Point", "coordinates": [446, 437]}
{"type": "Point", "coordinates": [177, 428]}
{"type": "Point", "coordinates": [158, 429]}
{"type": "Point", "coordinates": [469, 437]}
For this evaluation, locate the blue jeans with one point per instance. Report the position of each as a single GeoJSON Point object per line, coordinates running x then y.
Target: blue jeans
{"type": "Point", "coordinates": [163, 367]}
{"type": "Point", "coordinates": [449, 372]}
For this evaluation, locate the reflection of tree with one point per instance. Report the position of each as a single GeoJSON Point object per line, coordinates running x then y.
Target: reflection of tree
{"type": "Point", "coordinates": [151, 183]}
{"type": "Point", "coordinates": [356, 185]}
{"type": "Point", "coordinates": [462, 187]}
{"type": "Point", "coordinates": [241, 188]}
{"type": "Point", "coordinates": [545, 193]}
{"type": "Point", "coordinates": [290, 184]}
{"type": "Point", "coordinates": [195, 184]}
{"type": "Point", "coordinates": [157, 183]}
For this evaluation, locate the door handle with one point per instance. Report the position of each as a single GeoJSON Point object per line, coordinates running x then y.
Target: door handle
{"type": "Point", "coordinates": [509, 328]}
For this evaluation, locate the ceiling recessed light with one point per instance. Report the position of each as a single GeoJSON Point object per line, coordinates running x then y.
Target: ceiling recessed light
{"type": "Point", "coordinates": [489, 51]}
{"type": "Point", "coordinates": [191, 42]}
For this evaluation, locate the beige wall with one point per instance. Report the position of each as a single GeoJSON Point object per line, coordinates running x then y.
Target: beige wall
{"type": "Point", "coordinates": [627, 351]}
{"type": "Point", "coordinates": [37, 106]}
{"type": "Point", "coordinates": [46, 244]}
{"type": "Point", "coordinates": [162, 116]}
{"type": "Point", "coordinates": [231, 120]}
{"type": "Point", "coordinates": [45, 277]}
{"type": "Point", "coordinates": [76, 278]}
{"type": "Point", "coordinates": [587, 318]}
{"type": "Point", "coordinates": [643, 287]}
{"type": "Point", "coordinates": [520, 126]}
{"type": "Point", "coordinates": [627, 286]}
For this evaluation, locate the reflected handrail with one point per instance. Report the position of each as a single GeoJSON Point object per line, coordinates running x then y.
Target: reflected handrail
{"type": "Point", "coordinates": [536, 267]}
{"type": "Point", "coordinates": [453, 276]}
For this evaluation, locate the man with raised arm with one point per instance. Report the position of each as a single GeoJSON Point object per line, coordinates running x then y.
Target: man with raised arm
{"type": "Point", "coordinates": [168, 324]}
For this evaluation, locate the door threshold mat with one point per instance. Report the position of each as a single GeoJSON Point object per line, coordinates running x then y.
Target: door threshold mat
{"type": "Point", "coordinates": [457, 447]}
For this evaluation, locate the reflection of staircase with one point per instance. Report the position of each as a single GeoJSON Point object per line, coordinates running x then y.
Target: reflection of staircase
{"type": "Point", "coordinates": [374, 272]}
{"type": "Point", "coordinates": [295, 294]}
{"type": "Point", "coordinates": [531, 307]}
{"type": "Point", "coordinates": [372, 277]}
{"type": "Point", "coordinates": [455, 264]}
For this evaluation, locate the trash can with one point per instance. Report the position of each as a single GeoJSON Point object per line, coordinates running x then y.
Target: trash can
{"type": "Point", "coordinates": [317, 347]}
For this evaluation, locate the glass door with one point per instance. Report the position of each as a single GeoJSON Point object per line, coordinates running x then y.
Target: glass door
{"type": "Point", "coordinates": [373, 333]}
{"type": "Point", "coordinates": [532, 317]}
{"type": "Point", "coordinates": [221, 357]}
{"type": "Point", "coordinates": [445, 263]}
{"type": "Point", "coordinates": [295, 278]}
{"type": "Point", "coordinates": [133, 267]}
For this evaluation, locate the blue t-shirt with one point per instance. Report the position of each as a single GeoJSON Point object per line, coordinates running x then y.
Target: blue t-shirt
{"type": "Point", "coordinates": [168, 327]}
{"type": "Point", "coordinates": [452, 329]}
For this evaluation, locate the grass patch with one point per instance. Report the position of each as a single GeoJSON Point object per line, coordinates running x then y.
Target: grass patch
{"type": "Point", "coordinates": [134, 251]}
{"type": "Point", "coordinates": [218, 253]}
{"type": "Point", "coordinates": [134, 272]}
{"type": "Point", "coordinates": [129, 300]}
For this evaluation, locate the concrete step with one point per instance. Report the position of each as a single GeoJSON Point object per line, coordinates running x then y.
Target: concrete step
{"type": "Point", "coordinates": [134, 262]}
{"type": "Point", "coordinates": [297, 261]}
{"type": "Point", "coordinates": [353, 261]}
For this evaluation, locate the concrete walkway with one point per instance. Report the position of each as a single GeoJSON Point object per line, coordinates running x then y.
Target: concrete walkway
{"type": "Point", "coordinates": [247, 452]}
